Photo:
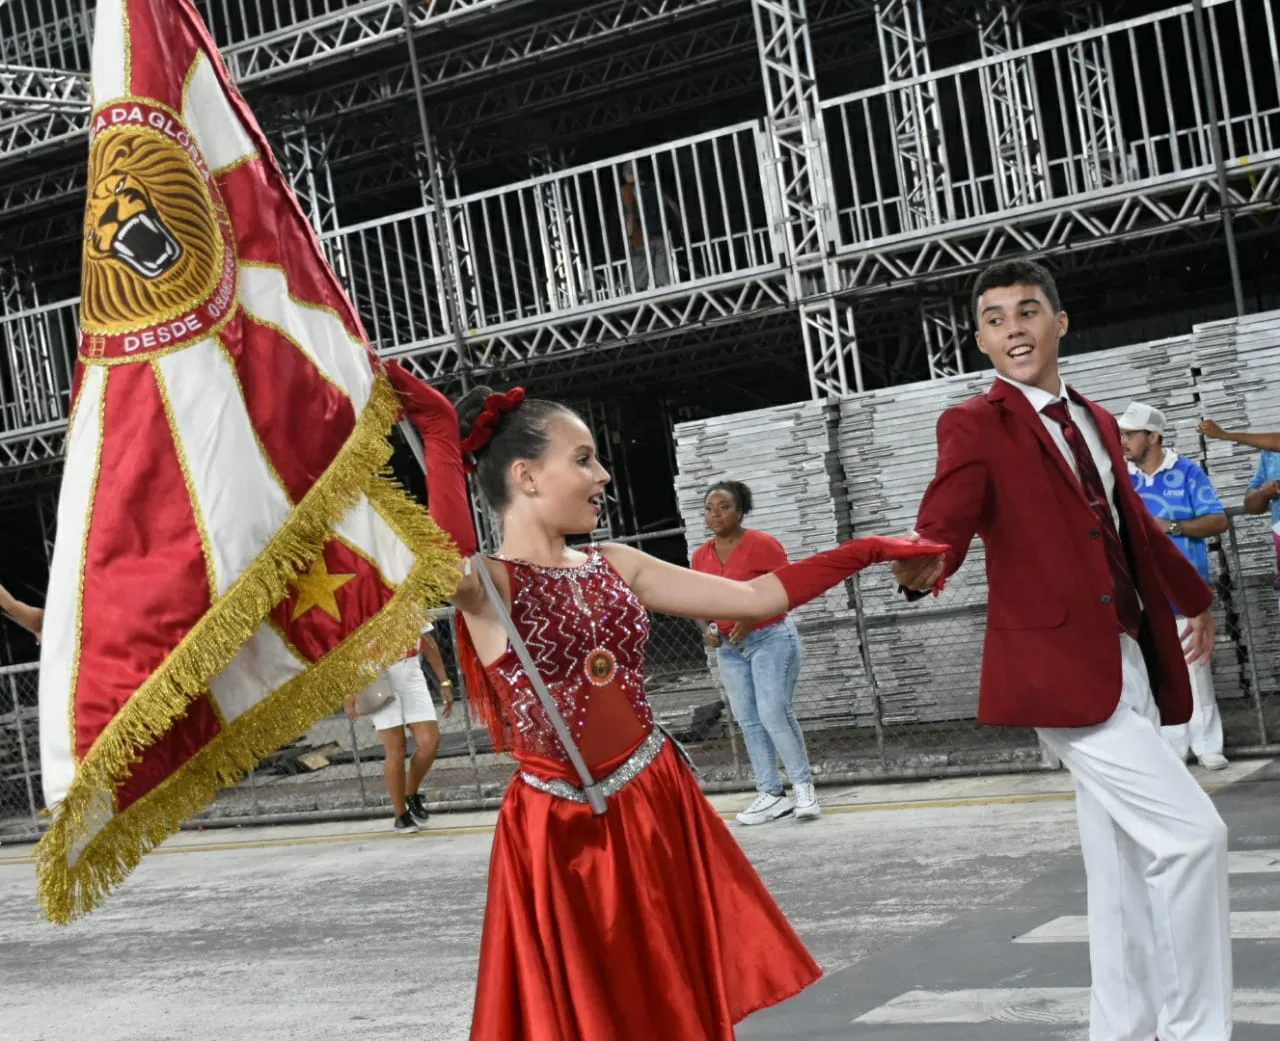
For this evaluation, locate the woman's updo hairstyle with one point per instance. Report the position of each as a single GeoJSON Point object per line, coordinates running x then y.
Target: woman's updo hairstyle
{"type": "Point", "coordinates": [736, 490]}
{"type": "Point", "coordinates": [518, 434]}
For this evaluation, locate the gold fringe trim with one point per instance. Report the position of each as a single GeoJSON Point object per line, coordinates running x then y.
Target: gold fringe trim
{"type": "Point", "coordinates": [215, 640]}
{"type": "Point", "coordinates": [68, 891]}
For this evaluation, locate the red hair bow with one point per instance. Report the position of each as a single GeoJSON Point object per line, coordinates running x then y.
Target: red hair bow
{"type": "Point", "coordinates": [495, 407]}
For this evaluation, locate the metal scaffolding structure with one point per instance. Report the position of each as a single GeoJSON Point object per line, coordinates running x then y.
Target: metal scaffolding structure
{"type": "Point", "coordinates": [796, 153]}
{"type": "Point", "coordinates": [843, 164]}
{"type": "Point", "coordinates": [1009, 87]}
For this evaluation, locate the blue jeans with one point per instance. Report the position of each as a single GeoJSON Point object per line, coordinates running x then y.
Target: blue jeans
{"type": "Point", "coordinates": [760, 678]}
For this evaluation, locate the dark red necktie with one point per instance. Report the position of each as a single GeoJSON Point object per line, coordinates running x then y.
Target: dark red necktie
{"type": "Point", "coordinates": [1124, 593]}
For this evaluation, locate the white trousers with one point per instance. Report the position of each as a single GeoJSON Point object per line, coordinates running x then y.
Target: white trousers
{"type": "Point", "coordinates": [1155, 858]}
{"type": "Point", "coordinates": [1202, 733]}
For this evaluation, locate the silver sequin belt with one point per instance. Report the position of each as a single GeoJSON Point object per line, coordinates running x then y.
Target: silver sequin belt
{"type": "Point", "coordinates": [645, 753]}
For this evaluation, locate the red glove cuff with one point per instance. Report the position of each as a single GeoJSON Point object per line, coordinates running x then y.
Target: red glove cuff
{"type": "Point", "coordinates": [808, 579]}
{"type": "Point", "coordinates": [436, 420]}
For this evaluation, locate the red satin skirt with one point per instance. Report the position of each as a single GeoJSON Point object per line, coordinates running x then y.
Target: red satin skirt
{"type": "Point", "coordinates": [646, 922]}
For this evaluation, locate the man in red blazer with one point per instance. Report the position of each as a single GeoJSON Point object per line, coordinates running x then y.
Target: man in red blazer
{"type": "Point", "coordinates": [1081, 644]}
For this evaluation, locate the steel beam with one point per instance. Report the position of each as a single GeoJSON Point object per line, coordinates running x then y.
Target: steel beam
{"type": "Point", "coordinates": [801, 186]}
{"type": "Point", "coordinates": [29, 89]}
{"type": "Point", "coordinates": [1092, 84]}
{"type": "Point", "coordinates": [919, 145]}
{"type": "Point", "coordinates": [946, 331]}
{"type": "Point", "coordinates": [1010, 95]}
{"type": "Point", "coordinates": [365, 27]}
{"type": "Point", "coordinates": [303, 154]}
{"type": "Point", "coordinates": [1183, 204]}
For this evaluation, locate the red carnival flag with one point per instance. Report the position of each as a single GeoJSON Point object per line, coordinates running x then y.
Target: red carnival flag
{"type": "Point", "coordinates": [230, 563]}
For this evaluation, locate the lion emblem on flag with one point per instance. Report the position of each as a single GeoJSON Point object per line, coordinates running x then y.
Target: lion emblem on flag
{"type": "Point", "coordinates": [153, 248]}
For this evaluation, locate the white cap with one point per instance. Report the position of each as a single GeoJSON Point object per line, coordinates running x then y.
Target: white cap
{"type": "Point", "coordinates": [1142, 417]}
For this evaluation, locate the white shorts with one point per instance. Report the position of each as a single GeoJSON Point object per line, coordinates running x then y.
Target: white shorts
{"type": "Point", "coordinates": [412, 703]}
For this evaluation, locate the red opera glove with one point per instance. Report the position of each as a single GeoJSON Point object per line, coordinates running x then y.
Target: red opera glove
{"type": "Point", "coordinates": [809, 578]}
{"type": "Point", "coordinates": [436, 420]}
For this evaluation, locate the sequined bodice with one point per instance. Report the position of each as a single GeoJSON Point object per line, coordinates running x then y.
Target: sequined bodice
{"type": "Point", "coordinates": [586, 631]}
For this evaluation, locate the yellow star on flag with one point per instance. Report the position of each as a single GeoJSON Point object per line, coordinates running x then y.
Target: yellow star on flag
{"type": "Point", "coordinates": [316, 589]}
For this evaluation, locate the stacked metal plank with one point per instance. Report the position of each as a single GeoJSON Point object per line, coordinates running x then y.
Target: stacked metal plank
{"type": "Point", "coordinates": [1238, 381]}
{"type": "Point", "coordinates": [787, 455]}
{"type": "Point", "coordinates": [926, 656]}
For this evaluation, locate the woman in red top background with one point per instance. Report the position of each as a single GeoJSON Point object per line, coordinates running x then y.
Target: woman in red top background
{"type": "Point", "coordinates": [758, 662]}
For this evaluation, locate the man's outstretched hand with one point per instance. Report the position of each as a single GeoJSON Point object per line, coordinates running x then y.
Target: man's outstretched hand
{"type": "Point", "coordinates": [919, 574]}
{"type": "Point", "coordinates": [1198, 640]}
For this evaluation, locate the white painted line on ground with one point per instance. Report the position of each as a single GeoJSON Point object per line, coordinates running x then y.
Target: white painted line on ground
{"type": "Point", "coordinates": [1253, 861]}
{"type": "Point", "coordinates": [1245, 925]}
{"type": "Point", "coordinates": [1045, 1005]}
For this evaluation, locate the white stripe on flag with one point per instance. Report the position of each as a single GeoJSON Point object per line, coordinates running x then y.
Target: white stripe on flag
{"type": "Point", "coordinates": [263, 665]}
{"type": "Point", "coordinates": [238, 497]}
{"type": "Point", "coordinates": [362, 526]}
{"type": "Point", "coordinates": [1245, 925]}
{"type": "Point", "coordinates": [206, 110]}
{"type": "Point", "coordinates": [1037, 1005]}
{"type": "Point", "coordinates": [318, 333]}
{"type": "Point", "coordinates": [109, 63]}
{"type": "Point", "coordinates": [60, 633]}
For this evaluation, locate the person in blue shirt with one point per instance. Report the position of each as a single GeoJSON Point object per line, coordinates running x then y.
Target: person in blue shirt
{"type": "Point", "coordinates": [1264, 489]}
{"type": "Point", "coordinates": [1183, 501]}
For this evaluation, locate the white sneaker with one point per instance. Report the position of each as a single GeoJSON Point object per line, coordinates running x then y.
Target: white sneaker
{"type": "Point", "coordinates": [766, 808]}
{"type": "Point", "coordinates": [1213, 761]}
{"type": "Point", "coordinates": [807, 807]}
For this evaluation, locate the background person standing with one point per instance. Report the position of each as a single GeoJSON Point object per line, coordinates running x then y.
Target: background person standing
{"type": "Point", "coordinates": [1264, 489]}
{"type": "Point", "coordinates": [411, 708]}
{"type": "Point", "coordinates": [643, 205]}
{"type": "Point", "coordinates": [1184, 503]}
{"type": "Point", "coordinates": [758, 663]}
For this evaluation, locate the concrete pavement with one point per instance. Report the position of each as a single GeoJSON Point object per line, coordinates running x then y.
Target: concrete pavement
{"type": "Point", "coordinates": [909, 895]}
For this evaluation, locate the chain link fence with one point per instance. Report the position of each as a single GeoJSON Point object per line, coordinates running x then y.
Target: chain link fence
{"type": "Point", "coordinates": [20, 797]}
{"type": "Point", "coordinates": [902, 702]}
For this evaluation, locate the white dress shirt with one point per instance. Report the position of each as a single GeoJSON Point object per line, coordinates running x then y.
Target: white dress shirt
{"type": "Point", "coordinates": [1088, 429]}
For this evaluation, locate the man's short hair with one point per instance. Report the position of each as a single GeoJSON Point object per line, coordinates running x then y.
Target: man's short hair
{"type": "Point", "coordinates": [1016, 273]}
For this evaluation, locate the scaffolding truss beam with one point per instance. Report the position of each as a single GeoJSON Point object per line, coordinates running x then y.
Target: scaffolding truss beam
{"type": "Point", "coordinates": [797, 165]}
{"type": "Point", "coordinates": [1108, 217]}
{"type": "Point", "coordinates": [30, 89]}
{"type": "Point", "coordinates": [1009, 86]}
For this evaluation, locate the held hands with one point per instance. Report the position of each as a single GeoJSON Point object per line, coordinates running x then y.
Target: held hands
{"type": "Point", "coordinates": [1197, 642]}
{"type": "Point", "coordinates": [711, 638]}
{"type": "Point", "coordinates": [1211, 429]}
{"type": "Point", "coordinates": [919, 574]}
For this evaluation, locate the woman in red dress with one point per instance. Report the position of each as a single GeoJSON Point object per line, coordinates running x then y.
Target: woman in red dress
{"type": "Point", "coordinates": [647, 921]}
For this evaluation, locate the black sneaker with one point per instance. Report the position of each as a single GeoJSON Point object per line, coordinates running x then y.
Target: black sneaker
{"type": "Point", "coordinates": [405, 824]}
{"type": "Point", "coordinates": [417, 809]}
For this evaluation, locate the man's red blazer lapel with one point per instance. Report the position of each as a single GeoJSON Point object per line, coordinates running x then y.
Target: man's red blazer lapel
{"type": "Point", "coordinates": [1016, 404]}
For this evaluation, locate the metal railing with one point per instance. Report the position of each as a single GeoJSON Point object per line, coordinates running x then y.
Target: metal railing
{"type": "Point", "coordinates": [1111, 107]}
{"type": "Point", "coordinates": [566, 240]}
{"type": "Point", "coordinates": [39, 346]}
{"type": "Point", "coordinates": [44, 33]}
{"type": "Point", "coordinates": [911, 712]}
